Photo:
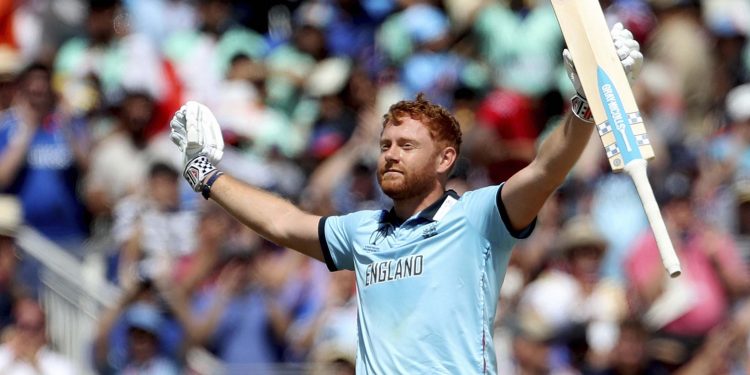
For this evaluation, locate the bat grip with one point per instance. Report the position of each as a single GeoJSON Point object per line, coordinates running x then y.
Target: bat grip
{"type": "Point", "coordinates": [637, 171]}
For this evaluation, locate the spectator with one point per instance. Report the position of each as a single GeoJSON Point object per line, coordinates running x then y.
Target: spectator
{"type": "Point", "coordinates": [504, 139]}
{"type": "Point", "coordinates": [143, 321]}
{"type": "Point", "coordinates": [572, 299]}
{"type": "Point", "coordinates": [158, 19]}
{"type": "Point", "coordinates": [216, 231]}
{"type": "Point", "coordinates": [118, 59]}
{"type": "Point", "coordinates": [531, 347]}
{"type": "Point", "coordinates": [201, 56]}
{"type": "Point", "coordinates": [521, 43]}
{"type": "Point", "coordinates": [235, 319]}
{"type": "Point", "coordinates": [120, 161]}
{"type": "Point", "coordinates": [688, 308]}
{"type": "Point", "coordinates": [290, 65]}
{"type": "Point", "coordinates": [42, 154]}
{"type": "Point", "coordinates": [139, 334]}
{"type": "Point", "coordinates": [26, 351]}
{"type": "Point", "coordinates": [630, 354]}
{"type": "Point", "coordinates": [335, 184]}
{"type": "Point", "coordinates": [730, 152]}
{"type": "Point", "coordinates": [333, 335]}
{"type": "Point", "coordinates": [680, 23]}
{"type": "Point", "coordinates": [151, 227]}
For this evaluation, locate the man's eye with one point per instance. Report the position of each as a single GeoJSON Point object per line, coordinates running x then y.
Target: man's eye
{"type": "Point", "coordinates": [384, 147]}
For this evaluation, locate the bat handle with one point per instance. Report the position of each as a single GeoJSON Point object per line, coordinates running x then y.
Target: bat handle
{"type": "Point", "coordinates": [637, 171]}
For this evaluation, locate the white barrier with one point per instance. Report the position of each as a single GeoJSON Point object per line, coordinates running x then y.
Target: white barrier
{"type": "Point", "coordinates": [71, 299]}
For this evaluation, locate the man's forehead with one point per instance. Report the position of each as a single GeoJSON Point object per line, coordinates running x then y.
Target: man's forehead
{"type": "Point", "coordinates": [407, 125]}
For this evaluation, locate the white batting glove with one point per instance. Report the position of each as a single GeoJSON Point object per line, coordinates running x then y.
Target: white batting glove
{"type": "Point", "coordinates": [628, 50]}
{"type": "Point", "coordinates": [196, 133]}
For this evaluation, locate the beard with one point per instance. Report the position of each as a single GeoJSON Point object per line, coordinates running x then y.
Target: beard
{"type": "Point", "coordinates": [406, 185]}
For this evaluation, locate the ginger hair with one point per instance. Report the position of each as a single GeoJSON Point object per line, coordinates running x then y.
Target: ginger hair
{"type": "Point", "coordinates": [443, 126]}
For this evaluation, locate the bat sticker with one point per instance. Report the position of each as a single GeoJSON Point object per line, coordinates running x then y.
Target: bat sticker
{"type": "Point", "coordinates": [617, 116]}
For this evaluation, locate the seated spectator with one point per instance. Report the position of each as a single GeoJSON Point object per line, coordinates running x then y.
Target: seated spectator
{"type": "Point", "coordinates": [26, 351]}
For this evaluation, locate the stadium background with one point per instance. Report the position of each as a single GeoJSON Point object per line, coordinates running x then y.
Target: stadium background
{"type": "Point", "coordinates": [128, 265]}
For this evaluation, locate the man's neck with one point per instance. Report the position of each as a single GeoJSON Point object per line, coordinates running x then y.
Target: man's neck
{"type": "Point", "coordinates": [406, 208]}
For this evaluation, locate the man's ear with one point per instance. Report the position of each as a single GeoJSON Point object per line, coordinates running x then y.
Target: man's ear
{"type": "Point", "coordinates": [446, 159]}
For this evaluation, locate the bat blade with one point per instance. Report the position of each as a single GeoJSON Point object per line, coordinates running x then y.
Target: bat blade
{"type": "Point", "coordinates": [618, 120]}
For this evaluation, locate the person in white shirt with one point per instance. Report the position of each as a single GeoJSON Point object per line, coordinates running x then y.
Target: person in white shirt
{"type": "Point", "coordinates": [26, 352]}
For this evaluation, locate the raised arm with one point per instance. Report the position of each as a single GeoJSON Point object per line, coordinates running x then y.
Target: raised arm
{"type": "Point", "coordinates": [196, 132]}
{"type": "Point", "coordinates": [272, 217]}
{"type": "Point", "coordinates": [525, 192]}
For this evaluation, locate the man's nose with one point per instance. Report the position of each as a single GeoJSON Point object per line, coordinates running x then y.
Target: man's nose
{"type": "Point", "coordinates": [392, 154]}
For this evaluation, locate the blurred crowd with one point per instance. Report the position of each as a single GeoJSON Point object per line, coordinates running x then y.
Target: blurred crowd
{"type": "Point", "coordinates": [87, 88]}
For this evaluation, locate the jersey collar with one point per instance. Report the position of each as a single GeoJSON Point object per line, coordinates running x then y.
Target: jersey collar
{"type": "Point", "coordinates": [431, 213]}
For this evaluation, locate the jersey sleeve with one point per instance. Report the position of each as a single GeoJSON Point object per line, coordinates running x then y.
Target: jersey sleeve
{"type": "Point", "coordinates": [486, 211]}
{"type": "Point", "coordinates": [335, 233]}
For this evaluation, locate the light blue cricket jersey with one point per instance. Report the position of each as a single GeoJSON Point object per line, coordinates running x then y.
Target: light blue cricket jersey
{"type": "Point", "coordinates": [427, 287]}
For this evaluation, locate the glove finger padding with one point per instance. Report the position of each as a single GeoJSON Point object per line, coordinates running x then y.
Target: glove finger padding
{"type": "Point", "coordinates": [203, 133]}
{"type": "Point", "coordinates": [628, 50]}
{"type": "Point", "coordinates": [193, 132]}
{"type": "Point", "coordinates": [214, 142]}
{"type": "Point", "coordinates": [177, 133]}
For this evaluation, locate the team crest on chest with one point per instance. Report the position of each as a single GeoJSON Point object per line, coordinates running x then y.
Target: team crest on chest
{"type": "Point", "coordinates": [377, 237]}
{"type": "Point", "coordinates": [429, 231]}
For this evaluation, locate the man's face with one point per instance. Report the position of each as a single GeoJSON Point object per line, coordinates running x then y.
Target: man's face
{"type": "Point", "coordinates": [143, 345]}
{"type": "Point", "coordinates": [137, 112]}
{"type": "Point", "coordinates": [585, 261]}
{"type": "Point", "coordinates": [165, 190]}
{"type": "Point", "coordinates": [407, 166]}
{"type": "Point", "coordinates": [37, 89]}
{"type": "Point", "coordinates": [30, 323]}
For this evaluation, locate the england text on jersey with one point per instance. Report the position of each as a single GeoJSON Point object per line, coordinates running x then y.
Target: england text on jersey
{"type": "Point", "coordinates": [389, 270]}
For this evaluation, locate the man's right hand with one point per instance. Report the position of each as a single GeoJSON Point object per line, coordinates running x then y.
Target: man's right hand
{"type": "Point", "coordinates": [196, 132]}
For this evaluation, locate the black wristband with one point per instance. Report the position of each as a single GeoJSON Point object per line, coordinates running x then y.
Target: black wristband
{"type": "Point", "coordinates": [206, 190]}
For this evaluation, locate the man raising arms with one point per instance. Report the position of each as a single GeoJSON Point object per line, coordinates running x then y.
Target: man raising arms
{"type": "Point", "coordinates": [428, 270]}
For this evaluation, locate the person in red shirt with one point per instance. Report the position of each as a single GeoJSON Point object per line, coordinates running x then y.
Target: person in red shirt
{"type": "Point", "coordinates": [504, 137]}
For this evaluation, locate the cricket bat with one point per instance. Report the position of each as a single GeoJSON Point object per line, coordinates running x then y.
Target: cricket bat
{"type": "Point", "coordinates": [611, 101]}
